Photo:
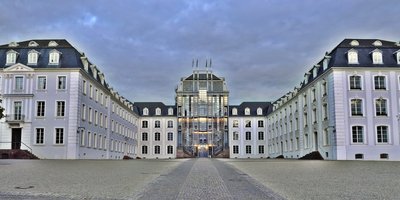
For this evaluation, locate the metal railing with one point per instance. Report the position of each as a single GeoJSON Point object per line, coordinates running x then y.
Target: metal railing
{"type": "Point", "coordinates": [18, 144]}
{"type": "Point", "coordinates": [15, 118]}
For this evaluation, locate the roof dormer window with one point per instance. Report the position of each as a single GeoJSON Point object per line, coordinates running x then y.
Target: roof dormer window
{"type": "Point", "coordinates": [11, 57]}
{"type": "Point", "coordinates": [354, 43]}
{"type": "Point", "coordinates": [54, 57]}
{"type": "Point", "coordinates": [158, 111]}
{"type": "Point", "coordinates": [33, 56]}
{"type": "Point", "coordinates": [377, 56]}
{"type": "Point", "coordinates": [33, 44]}
{"type": "Point", "coordinates": [170, 111]}
{"type": "Point", "coordinates": [52, 44]}
{"type": "Point", "coordinates": [352, 56]}
{"type": "Point", "coordinates": [145, 111]}
{"type": "Point", "coordinates": [234, 111]}
{"type": "Point", "coordinates": [247, 111]}
{"type": "Point", "coordinates": [398, 56]}
{"type": "Point", "coordinates": [13, 44]}
{"type": "Point", "coordinates": [259, 111]}
{"type": "Point", "coordinates": [377, 43]}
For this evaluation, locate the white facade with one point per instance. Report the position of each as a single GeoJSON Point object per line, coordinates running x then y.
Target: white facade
{"type": "Point", "coordinates": [157, 135]}
{"type": "Point", "coordinates": [346, 110]}
{"type": "Point", "coordinates": [52, 112]}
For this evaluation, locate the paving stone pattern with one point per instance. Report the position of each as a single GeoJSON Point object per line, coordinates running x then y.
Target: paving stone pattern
{"type": "Point", "coordinates": [206, 179]}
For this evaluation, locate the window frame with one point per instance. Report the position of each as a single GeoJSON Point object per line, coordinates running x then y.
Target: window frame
{"type": "Point", "coordinates": [351, 82]}
{"type": "Point", "coordinates": [43, 109]}
{"type": "Point", "coordinates": [248, 135]}
{"type": "Point", "coordinates": [57, 139]}
{"type": "Point", "coordinates": [357, 140]}
{"type": "Point", "coordinates": [379, 87]}
{"type": "Point", "coordinates": [60, 85]}
{"type": "Point", "coordinates": [157, 136]}
{"type": "Point", "coordinates": [60, 113]}
{"type": "Point", "coordinates": [387, 134]}
{"type": "Point", "coordinates": [360, 112]}
{"type": "Point", "coordinates": [38, 84]}
{"type": "Point", "coordinates": [170, 136]}
{"type": "Point", "coordinates": [145, 136]}
{"type": "Point", "coordinates": [383, 111]}
{"type": "Point", "coordinates": [235, 149]}
{"type": "Point", "coordinates": [43, 139]}
{"type": "Point", "coordinates": [19, 85]}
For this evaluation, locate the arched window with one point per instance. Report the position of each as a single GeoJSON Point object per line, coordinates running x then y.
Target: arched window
{"type": "Point", "coordinates": [52, 44]}
{"type": "Point", "coordinates": [11, 57]}
{"type": "Point", "coordinates": [377, 43]}
{"type": "Point", "coordinates": [170, 149]}
{"type": "Point", "coordinates": [33, 56]}
{"type": "Point", "coordinates": [234, 111]}
{"type": "Point", "coordinates": [259, 111]}
{"type": "Point", "coordinates": [352, 56]}
{"type": "Point", "coordinates": [247, 111]}
{"type": "Point", "coordinates": [377, 56]}
{"type": "Point", "coordinates": [33, 44]}
{"type": "Point", "coordinates": [145, 111]}
{"type": "Point", "coordinates": [158, 111]}
{"type": "Point", "coordinates": [54, 57]}
{"type": "Point", "coordinates": [354, 43]}
{"type": "Point", "coordinates": [170, 136]}
{"type": "Point", "coordinates": [157, 149]}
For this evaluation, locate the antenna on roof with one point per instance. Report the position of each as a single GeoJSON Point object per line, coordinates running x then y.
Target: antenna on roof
{"type": "Point", "coordinates": [192, 63]}
{"type": "Point", "coordinates": [206, 63]}
{"type": "Point", "coordinates": [197, 63]}
{"type": "Point", "coordinates": [210, 62]}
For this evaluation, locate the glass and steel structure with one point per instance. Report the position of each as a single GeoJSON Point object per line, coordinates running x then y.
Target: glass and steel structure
{"type": "Point", "coordinates": [202, 105]}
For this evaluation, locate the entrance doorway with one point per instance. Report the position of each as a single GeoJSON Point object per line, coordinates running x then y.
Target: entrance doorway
{"type": "Point", "coordinates": [16, 138]}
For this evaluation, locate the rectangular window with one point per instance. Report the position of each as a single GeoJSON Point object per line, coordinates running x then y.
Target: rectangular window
{"type": "Point", "coordinates": [91, 91]}
{"type": "Point", "coordinates": [157, 136]}
{"type": "Point", "coordinates": [41, 83]}
{"type": "Point", "coordinates": [62, 82]}
{"type": "Point", "coordinates": [157, 149]}
{"type": "Point", "coordinates": [170, 149]}
{"type": "Point", "coordinates": [170, 124]}
{"type": "Point", "coordinates": [248, 149]}
{"type": "Point", "coordinates": [59, 136]}
{"type": "Point", "coordinates": [83, 112]}
{"type": "Point", "coordinates": [248, 135]}
{"type": "Point", "coordinates": [90, 115]}
{"type": "Point", "coordinates": [157, 124]}
{"type": "Point", "coordinates": [144, 149]}
{"type": "Point", "coordinates": [17, 110]}
{"type": "Point", "coordinates": [39, 136]}
{"type": "Point", "coordinates": [248, 124]}
{"type": "Point", "coordinates": [235, 149]}
{"type": "Point", "coordinates": [381, 107]}
{"type": "Point", "coordinates": [235, 135]}
{"type": "Point", "coordinates": [261, 135]}
{"type": "Point", "coordinates": [355, 82]}
{"type": "Point", "coordinates": [235, 123]}
{"type": "Point", "coordinates": [60, 108]}
{"type": "Point", "coordinates": [84, 87]}
{"type": "Point", "coordinates": [82, 138]}
{"type": "Point", "coordinates": [144, 136]}
{"type": "Point", "coordinates": [260, 123]}
{"type": "Point", "coordinates": [356, 107]}
{"type": "Point", "coordinates": [379, 82]}
{"type": "Point", "coordinates": [357, 134]}
{"type": "Point", "coordinates": [170, 136]}
{"type": "Point", "coordinates": [145, 124]}
{"type": "Point", "coordinates": [40, 108]}
{"type": "Point", "coordinates": [382, 134]}
{"type": "Point", "coordinates": [105, 122]}
{"type": "Point", "coordinates": [261, 149]}
{"type": "Point", "coordinates": [19, 83]}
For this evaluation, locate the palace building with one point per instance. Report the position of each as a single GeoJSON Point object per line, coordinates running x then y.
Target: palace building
{"type": "Point", "coordinates": [58, 105]}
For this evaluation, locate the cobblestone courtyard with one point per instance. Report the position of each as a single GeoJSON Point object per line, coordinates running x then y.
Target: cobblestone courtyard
{"type": "Point", "coordinates": [198, 179]}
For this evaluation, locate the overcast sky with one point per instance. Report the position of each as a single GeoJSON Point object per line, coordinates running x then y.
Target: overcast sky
{"type": "Point", "coordinates": [262, 48]}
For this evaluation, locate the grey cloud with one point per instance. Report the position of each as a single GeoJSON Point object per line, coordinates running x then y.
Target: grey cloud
{"type": "Point", "coordinates": [262, 48]}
